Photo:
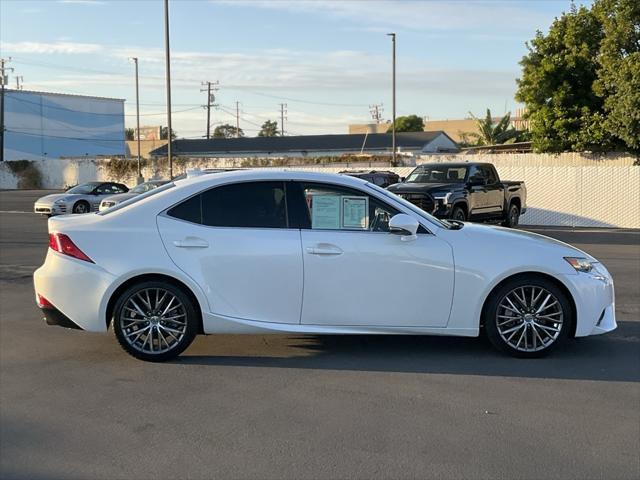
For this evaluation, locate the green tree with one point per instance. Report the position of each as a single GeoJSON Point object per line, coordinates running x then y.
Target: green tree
{"type": "Point", "coordinates": [410, 123]}
{"type": "Point", "coordinates": [227, 131]}
{"type": "Point", "coordinates": [269, 129]}
{"type": "Point", "coordinates": [490, 132]}
{"type": "Point", "coordinates": [556, 86]}
{"type": "Point", "coordinates": [618, 82]}
{"type": "Point", "coordinates": [129, 134]}
{"type": "Point", "coordinates": [164, 131]}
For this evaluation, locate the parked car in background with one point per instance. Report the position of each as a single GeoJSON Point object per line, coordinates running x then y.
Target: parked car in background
{"type": "Point", "coordinates": [377, 177]}
{"type": "Point", "coordinates": [464, 191]}
{"type": "Point", "coordinates": [83, 198]}
{"type": "Point", "coordinates": [316, 253]}
{"type": "Point", "coordinates": [113, 200]}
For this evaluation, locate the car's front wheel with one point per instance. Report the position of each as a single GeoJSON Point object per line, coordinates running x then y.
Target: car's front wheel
{"type": "Point", "coordinates": [528, 317]}
{"type": "Point", "coordinates": [155, 321]}
{"type": "Point", "coordinates": [81, 207]}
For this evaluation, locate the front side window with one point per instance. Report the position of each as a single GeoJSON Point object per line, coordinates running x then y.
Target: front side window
{"type": "Point", "coordinates": [331, 207]}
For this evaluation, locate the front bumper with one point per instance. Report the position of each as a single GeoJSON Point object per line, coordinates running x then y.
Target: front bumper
{"type": "Point", "coordinates": [594, 298]}
{"type": "Point", "coordinates": [50, 209]}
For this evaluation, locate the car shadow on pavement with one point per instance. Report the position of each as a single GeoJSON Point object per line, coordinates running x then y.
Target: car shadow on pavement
{"type": "Point", "coordinates": [612, 357]}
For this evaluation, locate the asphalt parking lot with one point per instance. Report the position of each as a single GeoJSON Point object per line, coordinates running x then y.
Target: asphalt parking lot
{"type": "Point", "coordinates": [73, 405]}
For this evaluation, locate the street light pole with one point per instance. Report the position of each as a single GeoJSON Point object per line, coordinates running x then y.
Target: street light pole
{"type": "Point", "coordinates": [168, 82]}
{"type": "Point", "coordinates": [393, 125]}
{"type": "Point", "coordinates": [140, 179]}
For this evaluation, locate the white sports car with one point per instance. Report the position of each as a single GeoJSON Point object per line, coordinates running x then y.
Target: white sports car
{"type": "Point", "coordinates": [83, 198]}
{"type": "Point", "coordinates": [309, 253]}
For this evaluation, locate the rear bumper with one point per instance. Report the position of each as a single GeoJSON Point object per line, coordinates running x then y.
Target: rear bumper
{"type": "Point", "coordinates": [77, 289]}
{"type": "Point", "coordinates": [53, 316]}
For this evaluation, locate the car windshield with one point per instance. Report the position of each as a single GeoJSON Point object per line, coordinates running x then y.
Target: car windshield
{"type": "Point", "coordinates": [145, 187]}
{"type": "Point", "coordinates": [437, 174]}
{"type": "Point", "coordinates": [83, 188]}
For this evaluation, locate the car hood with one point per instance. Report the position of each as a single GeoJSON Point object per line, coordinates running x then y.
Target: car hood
{"type": "Point", "coordinates": [423, 187]}
{"type": "Point", "coordinates": [504, 240]}
{"type": "Point", "coordinates": [120, 197]}
{"type": "Point", "coordinates": [50, 199]}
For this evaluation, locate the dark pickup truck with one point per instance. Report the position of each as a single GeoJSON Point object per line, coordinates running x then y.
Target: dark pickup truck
{"type": "Point", "coordinates": [464, 191]}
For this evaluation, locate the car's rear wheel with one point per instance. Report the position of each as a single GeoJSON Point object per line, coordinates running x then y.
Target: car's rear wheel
{"type": "Point", "coordinates": [81, 207]}
{"type": "Point", "coordinates": [155, 321]}
{"type": "Point", "coordinates": [513, 217]}
{"type": "Point", "coordinates": [528, 317]}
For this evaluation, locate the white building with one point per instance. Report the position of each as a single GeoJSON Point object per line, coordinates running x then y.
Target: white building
{"type": "Point", "coordinates": [40, 125]}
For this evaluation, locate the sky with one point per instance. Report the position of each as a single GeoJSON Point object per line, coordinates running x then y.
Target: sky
{"type": "Point", "coordinates": [327, 60]}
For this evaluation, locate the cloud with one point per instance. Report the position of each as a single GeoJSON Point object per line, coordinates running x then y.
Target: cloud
{"type": "Point", "coordinates": [82, 2]}
{"type": "Point", "coordinates": [70, 48]}
{"type": "Point", "coordinates": [383, 15]}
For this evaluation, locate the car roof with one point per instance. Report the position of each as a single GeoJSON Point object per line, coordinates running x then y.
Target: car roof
{"type": "Point", "coordinates": [271, 174]}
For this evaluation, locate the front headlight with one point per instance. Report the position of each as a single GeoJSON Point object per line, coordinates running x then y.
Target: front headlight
{"type": "Point", "coordinates": [581, 264]}
{"type": "Point", "coordinates": [443, 197]}
{"type": "Point", "coordinates": [59, 201]}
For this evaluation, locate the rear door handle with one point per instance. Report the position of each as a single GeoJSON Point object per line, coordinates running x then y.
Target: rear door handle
{"type": "Point", "coordinates": [191, 242]}
{"type": "Point", "coordinates": [324, 249]}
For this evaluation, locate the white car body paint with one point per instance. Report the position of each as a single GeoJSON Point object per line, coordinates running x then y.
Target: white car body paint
{"type": "Point", "coordinates": [268, 281]}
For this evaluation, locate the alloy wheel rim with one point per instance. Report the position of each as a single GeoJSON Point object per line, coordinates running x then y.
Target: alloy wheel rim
{"type": "Point", "coordinates": [80, 208]}
{"type": "Point", "coordinates": [153, 321]}
{"type": "Point", "coordinates": [529, 318]}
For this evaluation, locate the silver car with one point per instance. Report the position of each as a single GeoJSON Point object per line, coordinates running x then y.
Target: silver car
{"type": "Point", "coordinates": [83, 198]}
{"type": "Point", "coordinates": [112, 200]}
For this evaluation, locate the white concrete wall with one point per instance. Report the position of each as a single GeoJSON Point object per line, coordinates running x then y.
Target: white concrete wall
{"type": "Point", "coordinates": [574, 191]}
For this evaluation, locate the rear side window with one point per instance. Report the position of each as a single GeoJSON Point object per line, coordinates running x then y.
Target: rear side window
{"type": "Point", "coordinates": [241, 205]}
{"type": "Point", "coordinates": [190, 210]}
{"type": "Point", "coordinates": [249, 205]}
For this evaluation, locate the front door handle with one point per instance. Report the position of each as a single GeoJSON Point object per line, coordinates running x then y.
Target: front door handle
{"type": "Point", "coordinates": [324, 249]}
{"type": "Point", "coordinates": [191, 242]}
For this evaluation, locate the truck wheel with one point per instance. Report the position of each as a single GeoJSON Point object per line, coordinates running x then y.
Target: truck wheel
{"type": "Point", "coordinates": [458, 213]}
{"type": "Point", "coordinates": [513, 216]}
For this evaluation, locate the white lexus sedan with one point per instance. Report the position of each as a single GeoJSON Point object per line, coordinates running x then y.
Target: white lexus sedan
{"type": "Point", "coordinates": [308, 253]}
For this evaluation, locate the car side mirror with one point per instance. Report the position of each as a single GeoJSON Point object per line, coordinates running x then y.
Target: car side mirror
{"type": "Point", "coordinates": [404, 225]}
{"type": "Point", "coordinates": [402, 179]}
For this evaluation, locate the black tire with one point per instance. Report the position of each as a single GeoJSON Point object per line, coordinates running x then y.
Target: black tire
{"type": "Point", "coordinates": [81, 206]}
{"type": "Point", "coordinates": [127, 323]}
{"type": "Point", "coordinates": [459, 213]}
{"type": "Point", "coordinates": [513, 217]}
{"type": "Point", "coordinates": [557, 326]}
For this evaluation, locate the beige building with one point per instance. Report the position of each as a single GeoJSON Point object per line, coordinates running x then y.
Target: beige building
{"type": "Point", "coordinates": [145, 147]}
{"type": "Point", "coordinates": [453, 128]}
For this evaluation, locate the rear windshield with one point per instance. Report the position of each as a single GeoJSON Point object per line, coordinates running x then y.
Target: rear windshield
{"type": "Point", "coordinates": [137, 198]}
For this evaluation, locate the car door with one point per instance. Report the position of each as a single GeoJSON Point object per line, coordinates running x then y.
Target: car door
{"type": "Point", "coordinates": [235, 242]}
{"type": "Point", "coordinates": [478, 192]}
{"type": "Point", "coordinates": [494, 191]}
{"type": "Point", "coordinates": [357, 273]}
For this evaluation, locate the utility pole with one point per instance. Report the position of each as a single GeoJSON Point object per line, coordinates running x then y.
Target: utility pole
{"type": "Point", "coordinates": [237, 119]}
{"type": "Point", "coordinates": [168, 81]}
{"type": "Point", "coordinates": [393, 125]}
{"type": "Point", "coordinates": [19, 78]}
{"type": "Point", "coordinates": [376, 112]}
{"type": "Point", "coordinates": [4, 79]}
{"type": "Point", "coordinates": [283, 112]}
{"type": "Point", "coordinates": [211, 87]}
{"type": "Point", "coordinates": [140, 179]}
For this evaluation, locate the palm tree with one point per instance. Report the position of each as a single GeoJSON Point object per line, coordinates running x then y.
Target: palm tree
{"type": "Point", "coordinates": [490, 133]}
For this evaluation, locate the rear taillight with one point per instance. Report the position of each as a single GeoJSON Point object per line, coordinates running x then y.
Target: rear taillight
{"type": "Point", "coordinates": [44, 303]}
{"type": "Point", "coordinates": [61, 243]}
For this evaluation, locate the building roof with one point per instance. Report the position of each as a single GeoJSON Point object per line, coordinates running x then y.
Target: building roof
{"type": "Point", "coordinates": [38, 92]}
{"type": "Point", "coordinates": [301, 143]}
